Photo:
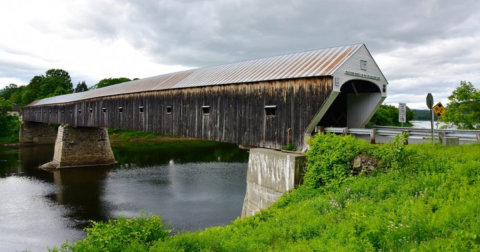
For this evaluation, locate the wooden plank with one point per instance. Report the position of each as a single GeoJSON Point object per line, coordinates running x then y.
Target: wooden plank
{"type": "Point", "coordinates": [237, 111]}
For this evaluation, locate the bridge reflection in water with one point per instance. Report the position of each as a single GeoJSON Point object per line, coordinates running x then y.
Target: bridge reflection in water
{"type": "Point", "coordinates": [192, 184]}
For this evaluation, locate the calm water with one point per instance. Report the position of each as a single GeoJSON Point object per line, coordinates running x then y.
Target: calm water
{"type": "Point", "coordinates": [192, 185]}
{"type": "Point", "coordinates": [426, 124]}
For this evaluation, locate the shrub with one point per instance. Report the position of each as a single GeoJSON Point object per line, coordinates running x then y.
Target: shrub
{"type": "Point", "coordinates": [121, 234]}
{"type": "Point", "coordinates": [330, 157]}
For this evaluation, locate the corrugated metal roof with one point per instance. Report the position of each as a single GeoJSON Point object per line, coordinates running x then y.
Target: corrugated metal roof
{"type": "Point", "coordinates": [321, 62]}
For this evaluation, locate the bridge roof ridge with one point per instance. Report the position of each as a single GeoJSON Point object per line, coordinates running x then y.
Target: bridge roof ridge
{"type": "Point", "coordinates": [312, 63]}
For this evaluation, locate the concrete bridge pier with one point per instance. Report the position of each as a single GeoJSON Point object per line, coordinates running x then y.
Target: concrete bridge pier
{"type": "Point", "coordinates": [37, 133]}
{"type": "Point", "coordinates": [270, 174]}
{"type": "Point", "coordinates": [80, 147]}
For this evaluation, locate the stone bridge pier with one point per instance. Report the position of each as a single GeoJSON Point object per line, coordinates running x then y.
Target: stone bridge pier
{"type": "Point", "coordinates": [37, 133]}
{"type": "Point", "coordinates": [81, 147]}
{"type": "Point", "coordinates": [270, 174]}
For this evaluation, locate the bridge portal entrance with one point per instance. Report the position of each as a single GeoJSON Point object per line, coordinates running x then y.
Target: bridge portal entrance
{"type": "Point", "coordinates": [353, 106]}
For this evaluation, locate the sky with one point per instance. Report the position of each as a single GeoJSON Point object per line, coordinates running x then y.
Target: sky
{"type": "Point", "coordinates": [420, 46]}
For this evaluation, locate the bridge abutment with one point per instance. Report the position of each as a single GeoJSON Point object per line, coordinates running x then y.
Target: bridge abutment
{"type": "Point", "coordinates": [80, 147]}
{"type": "Point", "coordinates": [37, 133]}
{"type": "Point", "coordinates": [270, 174]}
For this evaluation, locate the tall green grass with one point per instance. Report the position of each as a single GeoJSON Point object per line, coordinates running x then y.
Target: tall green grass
{"type": "Point", "coordinates": [422, 198]}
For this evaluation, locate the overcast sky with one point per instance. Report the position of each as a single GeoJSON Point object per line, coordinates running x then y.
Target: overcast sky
{"type": "Point", "coordinates": [421, 46]}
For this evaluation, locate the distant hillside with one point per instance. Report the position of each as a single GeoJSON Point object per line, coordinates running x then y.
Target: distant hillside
{"type": "Point", "coordinates": [421, 114]}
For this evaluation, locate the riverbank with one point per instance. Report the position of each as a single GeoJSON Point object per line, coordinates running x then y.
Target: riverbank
{"type": "Point", "coordinates": [422, 198]}
{"type": "Point", "coordinates": [117, 135]}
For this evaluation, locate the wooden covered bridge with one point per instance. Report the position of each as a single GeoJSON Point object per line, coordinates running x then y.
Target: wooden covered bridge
{"type": "Point", "coordinates": [267, 102]}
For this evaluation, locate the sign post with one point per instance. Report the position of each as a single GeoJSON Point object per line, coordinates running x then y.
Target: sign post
{"type": "Point", "coordinates": [402, 113]}
{"type": "Point", "coordinates": [430, 105]}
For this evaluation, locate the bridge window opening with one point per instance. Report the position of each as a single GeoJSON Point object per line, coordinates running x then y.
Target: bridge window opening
{"type": "Point", "coordinates": [104, 110]}
{"type": "Point", "coordinates": [63, 111]}
{"type": "Point", "coordinates": [206, 110]}
{"type": "Point", "coordinates": [384, 88]}
{"type": "Point", "coordinates": [120, 109]}
{"type": "Point", "coordinates": [140, 109]}
{"type": "Point", "coordinates": [79, 111]}
{"type": "Point", "coordinates": [91, 110]}
{"type": "Point", "coordinates": [270, 110]}
{"type": "Point", "coordinates": [169, 109]}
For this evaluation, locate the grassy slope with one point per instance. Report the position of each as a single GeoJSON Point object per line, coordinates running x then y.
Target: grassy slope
{"type": "Point", "coordinates": [117, 135]}
{"type": "Point", "coordinates": [429, 203]}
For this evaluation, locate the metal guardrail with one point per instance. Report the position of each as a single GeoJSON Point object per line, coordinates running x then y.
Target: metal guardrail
{"type": "Point", "coordinates": [416, 134]}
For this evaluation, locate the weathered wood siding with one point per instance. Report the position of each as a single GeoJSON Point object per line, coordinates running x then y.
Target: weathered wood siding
{"type": "Point", "coordinates": [237, 112]}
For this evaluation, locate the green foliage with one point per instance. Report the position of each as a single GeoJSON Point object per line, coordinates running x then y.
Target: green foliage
{"type": "Point", "coordinates": [9, 125]}
{"type": "Point", "coordinates": [421, 114]}
{"type": "Point", "coordinates": [428, 202]}
{"type": "Point", "coordinates": [81, 87]}
{"type": "Point", "coordinates": [117, 134]}
{"type": "Point", "coordinates": [464, 107]}
{"type": "Point", "coordinates": [33, 90]}
{"type": "Point", "coordinates": [52, 86]}
{"type": "Point", "coordinates": [121, 234]}
{"type": "Point", "coordinates": [5, 106]}
{"type": "Point", "coordinates": [387, 115]}
{"type": "Point", "coordinates": [55, 82]}
{"type": "Point", "coordinates": [63, 76]}
{"type": "Point", "coordinates": [290, 147]}
{"type": "Point", "coordinates": [330, 157]}
{"type": "Point", "coordinates": [110, 81]}
{"type": "Point", "coordinates": [7, 91]}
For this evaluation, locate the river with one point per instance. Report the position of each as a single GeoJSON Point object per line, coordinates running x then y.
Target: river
{"type": "Point", "coordinates": [426, 124]}
{"type": "Point", "coordinates": [191, 184]}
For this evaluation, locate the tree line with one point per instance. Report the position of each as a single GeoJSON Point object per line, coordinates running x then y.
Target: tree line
{"type": "Point", "coordinates": [54, 82]}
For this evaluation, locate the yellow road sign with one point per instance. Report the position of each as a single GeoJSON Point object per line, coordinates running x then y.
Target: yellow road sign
{"type": "Point", "coordinates": [439, 109]}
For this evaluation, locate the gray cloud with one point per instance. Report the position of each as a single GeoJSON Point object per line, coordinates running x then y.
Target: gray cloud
{"type": "Point", "coordinates": [199, 33]}
{"type": "Point", "coordinates": [424, 44]}
{"type": "Point", "coordinates": [19, 71]}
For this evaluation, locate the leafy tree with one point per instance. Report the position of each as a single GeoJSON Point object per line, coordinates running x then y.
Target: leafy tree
{"type": "Point", "coordinates": [46, 86]}
{"type": "Point", "coordinates": [5, 106]}
{"type": "Point", "coordinates": [81, 87]}
{"type": "Point", "coordinates": [463, 110]}
{"type": "Point", "coordinates": [421, 114]}
{"type": "Point", "coordinates": [55, 82]}
{"type": "Point", "coordinates": [28, 96]}
{"type": "Point", "coordinates": [36, 83]}
{"type": "Point", "coordinates": [50, 85]}
{"type": "Point", "coordinates": [62, 75]}
{"type": "Point", "coordinates": [7, 92]}
{"type": "Point", "coordinates": [387, 115]}
{"type": "Point", "coordinates": [8, 124]}
{"type": "Point", "coordinates": [16, 96]}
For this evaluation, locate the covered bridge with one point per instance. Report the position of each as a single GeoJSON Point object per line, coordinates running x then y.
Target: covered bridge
{"type": "Point", "coordinates": [267, 102]}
